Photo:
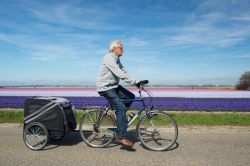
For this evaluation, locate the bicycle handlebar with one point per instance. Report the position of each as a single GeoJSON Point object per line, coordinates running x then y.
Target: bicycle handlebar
{"type": "Point", "coordinates": [141, 84]}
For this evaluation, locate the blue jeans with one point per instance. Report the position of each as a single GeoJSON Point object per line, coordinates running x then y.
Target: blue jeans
{"type": "Point", "coordinates": [115, 97]}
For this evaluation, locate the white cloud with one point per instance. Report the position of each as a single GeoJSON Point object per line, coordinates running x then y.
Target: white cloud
{"type": "Point", "coordinates": [136, 42]}
{"type": "Point", "coordinates": [207, 32]}
{"type": "Point", "coordinates": [72, 14]}
{"type": "Point", "coordinates": [242, 18]}
{"type": "Point", "coordinates": [237, 56]}
{"type": "Point", "coordinates": [211, 24]}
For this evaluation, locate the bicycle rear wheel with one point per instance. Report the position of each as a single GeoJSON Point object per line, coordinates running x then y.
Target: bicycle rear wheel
{"type": "Point", "coordinates": [96, 128]}
{"type": "Point", "coordinates": [157, 132]}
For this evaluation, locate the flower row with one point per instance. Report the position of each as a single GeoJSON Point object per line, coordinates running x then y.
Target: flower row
{"type": "Point", "coordinates": [161, 103]}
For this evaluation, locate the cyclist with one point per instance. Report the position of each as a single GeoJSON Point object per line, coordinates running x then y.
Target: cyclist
{"type": "Point", "coordinates": [111, 71]}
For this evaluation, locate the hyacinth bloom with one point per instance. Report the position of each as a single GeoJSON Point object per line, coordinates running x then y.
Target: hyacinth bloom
{"type": "Point", "coordinates": [164, 98]}
{"type": "Point", "coordinates": [161, 103]}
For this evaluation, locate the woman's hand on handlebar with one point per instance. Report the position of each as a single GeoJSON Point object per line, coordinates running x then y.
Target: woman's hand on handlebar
{"type": "Point", "coordinates": [141, 84]}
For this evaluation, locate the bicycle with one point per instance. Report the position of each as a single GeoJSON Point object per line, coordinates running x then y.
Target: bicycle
{"type": "Point", "coordinates": [155, 129]}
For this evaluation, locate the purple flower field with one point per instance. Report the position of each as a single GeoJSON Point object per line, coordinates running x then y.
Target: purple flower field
{"type": "Point", "coordinates": [161, 103]}
{"type": "Point", "coordinates": [184, 99]}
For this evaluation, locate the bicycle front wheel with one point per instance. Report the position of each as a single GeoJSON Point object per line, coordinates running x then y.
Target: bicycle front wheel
{"type": "Point", "coordinates": [96, 128]}
{"type": "Point", "coordinates": [158, 131]}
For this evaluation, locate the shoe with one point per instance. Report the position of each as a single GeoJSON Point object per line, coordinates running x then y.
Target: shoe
{"type": "Point", "coordinates": [125, 142]}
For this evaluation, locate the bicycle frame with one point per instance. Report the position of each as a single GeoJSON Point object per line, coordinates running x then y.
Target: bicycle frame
{"type": "Point", "coordinates": [145, 107]}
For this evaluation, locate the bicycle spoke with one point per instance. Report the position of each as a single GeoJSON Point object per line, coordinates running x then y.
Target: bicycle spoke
{"type": "Point", "coordinates": [27, 132]}
{"type": "Point", "coordinates": [159, 132]}
{"type": "Point", "coordinates": [93, 121]}
{"type": "Point", "coordinates": [96, 133]}
{"type": "Point", "coordinates": [35, 136]}
{"type": "Point", "coordinates": [33, 132]}
{"type": "Point", "coordinates": [39, 143]}
{"type": "Point", "coordinates": [146, 132]}
{"type": "Point", "coordinates": [93, 137]}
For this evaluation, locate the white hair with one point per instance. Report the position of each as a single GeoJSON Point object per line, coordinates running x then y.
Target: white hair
{"type": "Point", "coordinates": [114, 44]}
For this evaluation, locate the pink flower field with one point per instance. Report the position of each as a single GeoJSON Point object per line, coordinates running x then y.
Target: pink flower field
{"type": "Point", "coordinates": [157, 92]}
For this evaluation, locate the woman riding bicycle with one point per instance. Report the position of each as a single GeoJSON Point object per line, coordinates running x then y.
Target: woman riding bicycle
{"type": "Point", "coordinates": [111, 71]}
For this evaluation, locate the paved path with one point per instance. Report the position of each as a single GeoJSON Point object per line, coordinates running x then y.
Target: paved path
{"type": "Point", "coordinates": [201, 146]}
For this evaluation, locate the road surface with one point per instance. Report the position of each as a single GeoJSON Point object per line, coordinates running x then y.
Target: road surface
{"type": "Point", "coordinates": [201, 146]}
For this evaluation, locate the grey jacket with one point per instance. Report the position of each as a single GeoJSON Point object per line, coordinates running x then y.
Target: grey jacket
{"type": "Point", "coordinates": [111, 72]}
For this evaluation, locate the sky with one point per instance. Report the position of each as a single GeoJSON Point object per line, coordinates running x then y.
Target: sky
{"type": "Point", "coordinates": [168, 42]}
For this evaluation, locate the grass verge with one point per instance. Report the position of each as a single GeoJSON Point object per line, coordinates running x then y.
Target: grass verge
{"type": "Point", "coordinates": [11, 115]}
{"type": "Point", "coordinates": [182, 117]}
{"type": "Point", "coordinates": [212, 118]}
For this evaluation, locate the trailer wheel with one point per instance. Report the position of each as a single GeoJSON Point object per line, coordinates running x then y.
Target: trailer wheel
{"type": "Point", "coordinates": [35, 136]}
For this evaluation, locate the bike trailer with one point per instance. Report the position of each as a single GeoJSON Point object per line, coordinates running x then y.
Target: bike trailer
{"type": "Point", "coordinates": [47, 117]}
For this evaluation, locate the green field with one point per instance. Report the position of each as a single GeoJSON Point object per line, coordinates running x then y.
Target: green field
{"type": "Point", "coordinates": [182, 117]}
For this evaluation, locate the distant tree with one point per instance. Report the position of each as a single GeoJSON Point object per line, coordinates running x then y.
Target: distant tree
{"type": "Point", "coordinates": [244, 82]}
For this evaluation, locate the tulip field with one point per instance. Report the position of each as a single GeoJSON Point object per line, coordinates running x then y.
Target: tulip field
{"type": "Point", "coordinates": [176, 99]}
